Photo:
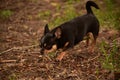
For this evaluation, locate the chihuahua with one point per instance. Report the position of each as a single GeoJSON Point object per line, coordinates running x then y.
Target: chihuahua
{"type": "Point", "coordinates": [70, 33]}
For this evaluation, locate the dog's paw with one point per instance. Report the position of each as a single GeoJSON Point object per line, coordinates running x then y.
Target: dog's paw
{"type": "Point", "coordinates": [60, 57]}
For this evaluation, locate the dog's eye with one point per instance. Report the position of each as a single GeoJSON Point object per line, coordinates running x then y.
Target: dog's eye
{"type": "Point", "coordinates": [45, 44]}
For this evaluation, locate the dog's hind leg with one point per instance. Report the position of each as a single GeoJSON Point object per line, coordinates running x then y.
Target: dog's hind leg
{"type": "Point", "coordinates": [93, 43]}
{"type": "Point", "coordinates": [88, 39]}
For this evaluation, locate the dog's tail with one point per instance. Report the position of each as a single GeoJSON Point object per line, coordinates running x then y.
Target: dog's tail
{"type": "Point", "coordinates": [88, 6]}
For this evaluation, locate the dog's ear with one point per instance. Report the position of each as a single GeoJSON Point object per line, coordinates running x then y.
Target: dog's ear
{"type": "Point", "coordinates": [58, 33]}
{"type": "Point", "coordinates": [46, 30]}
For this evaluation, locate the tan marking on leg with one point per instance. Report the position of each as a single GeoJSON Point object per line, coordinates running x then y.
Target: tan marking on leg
{"type": "Point", "coordinates": [93, 43]}
{"type": "Point", "coordinates": [60, 57]}
{"type": "Point", "coordinates": [66, 44]}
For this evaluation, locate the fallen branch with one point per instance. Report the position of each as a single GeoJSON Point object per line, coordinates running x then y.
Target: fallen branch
{"type": "Point", "coordinates": [19, 48]}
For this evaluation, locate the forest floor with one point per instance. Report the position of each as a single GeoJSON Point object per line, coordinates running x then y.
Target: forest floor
{"type": "Point", "coordinates": [20, 58]}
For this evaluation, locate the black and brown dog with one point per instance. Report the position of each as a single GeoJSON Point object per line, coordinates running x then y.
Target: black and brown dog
{"type": "Point", "coordinates": [72, 32]}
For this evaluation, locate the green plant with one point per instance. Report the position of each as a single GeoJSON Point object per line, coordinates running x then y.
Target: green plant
{"type": "Point", "coordinates": [111, 57]}
{"type": "Point", "coordinates": [115, 56]}
{"type": "Point", "coordinates": [107, 60]}
{"type": "Point", "coordinates": [5, 14]}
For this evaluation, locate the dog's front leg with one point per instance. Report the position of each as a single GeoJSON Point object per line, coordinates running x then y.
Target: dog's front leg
{"type": "Point", "coordinates": [92, 48]}
{"type": "Point", "coordinates": [64, 51]}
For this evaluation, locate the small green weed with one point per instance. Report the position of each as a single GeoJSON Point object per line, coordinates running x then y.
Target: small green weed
{"type": "Point", "coordinates": [5, 14]}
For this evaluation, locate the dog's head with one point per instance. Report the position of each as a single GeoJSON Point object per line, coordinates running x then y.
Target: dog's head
{"type": "Point", "coordinates": [49, 38]}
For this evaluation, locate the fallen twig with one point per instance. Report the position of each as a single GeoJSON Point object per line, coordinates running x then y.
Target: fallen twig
{"type": "Point", "coordinates": [19, 48]}
{"type": "Point", "coordinates": [7, 61]}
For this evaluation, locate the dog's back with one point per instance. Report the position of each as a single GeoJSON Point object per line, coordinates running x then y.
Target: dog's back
{"type": "Point", "coordinates": [80, 26]}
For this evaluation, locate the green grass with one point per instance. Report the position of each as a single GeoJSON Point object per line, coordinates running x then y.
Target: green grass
{"type": "Point", "coordinates": [44, 14]}
{"type": "Point", "coordinates": [109, 15]}
{"type": "Point", "coordinates": [111, 56]}
{"type": "Point", "coordinates": [5, 14]}
{"type": "Point", "coordinates": [106, 19]}
{"type": "Point", "coordinates": [67, 14]}
{"type": "Point", "coordinates": [113, 13]}
{"type": "Point", "coordinates": [107, 60]}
